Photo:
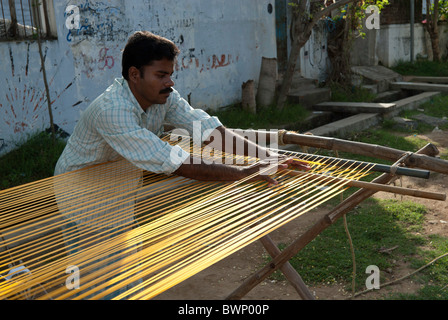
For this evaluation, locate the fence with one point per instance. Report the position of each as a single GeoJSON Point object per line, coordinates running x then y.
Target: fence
{"type": "Point", "coordinates": [20, 19]}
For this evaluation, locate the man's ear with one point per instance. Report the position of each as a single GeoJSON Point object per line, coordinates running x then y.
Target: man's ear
{"type": "Point", "coordinates": [134, 74]}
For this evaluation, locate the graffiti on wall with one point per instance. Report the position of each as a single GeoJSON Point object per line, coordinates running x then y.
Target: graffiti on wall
{"type": "Point", "coordinates": [104, 23]}
{"type": "Point", "coordinates": [24, 106]}
{"type": "Point", "coordinates": [95, 29]}
{"type": "Point", "coordinates": [95, 19]}
{"type": "Point", "coordinates": [209, 63]}
{"type": "Point", "coordinates": [87, 56]}
{"type": "Point", "coordinates": [91, 60]}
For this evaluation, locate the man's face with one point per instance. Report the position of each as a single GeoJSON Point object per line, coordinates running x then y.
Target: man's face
{"type": "Point", "coordinates": [155, 85]}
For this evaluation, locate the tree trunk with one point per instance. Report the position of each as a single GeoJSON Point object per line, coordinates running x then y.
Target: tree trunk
{"type": "Point", "coordinates": [435, 34]}
{"type": "Point", "coordinates": [432, 28]}
{"type": "Point", "coordinates": [435, 46]}
{"type": "Point", "coordinates": [296, 46]}
{"type": "Point", "coordinates": [301, 34]}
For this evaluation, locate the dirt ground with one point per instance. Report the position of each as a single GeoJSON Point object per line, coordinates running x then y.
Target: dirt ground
{"type": "Point", "coordinates": [221, 279]}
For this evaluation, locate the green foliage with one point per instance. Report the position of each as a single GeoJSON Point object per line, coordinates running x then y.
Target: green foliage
{"type": "Point", "coordinates": [359, 13]}
{"type": "Point", "coordinates": [443, 10]}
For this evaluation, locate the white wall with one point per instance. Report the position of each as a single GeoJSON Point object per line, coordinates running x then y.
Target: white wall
{"type": "Point", "coordinates": [314, 60]}
{"type": "Point", "coordinates": [222, 43]}
{"type": "Point", "coordinates": [392, 44]}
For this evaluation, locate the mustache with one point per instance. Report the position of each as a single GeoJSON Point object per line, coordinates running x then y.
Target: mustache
{"type": "Point", "coordinates": [166, 90]}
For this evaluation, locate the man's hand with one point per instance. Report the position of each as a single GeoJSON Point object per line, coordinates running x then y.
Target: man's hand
{"type": "Point", "coordinates": [301, 165]}
{"type": "Point", "coordinates": [264, 168]}
{"type": "Point", "coordinates": [262, 171]}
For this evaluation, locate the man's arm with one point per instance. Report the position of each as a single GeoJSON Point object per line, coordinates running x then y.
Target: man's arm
{"type": "Point", "coordinates": [230, 142]}
{"type": "Point", "coordinates": [199, 170]}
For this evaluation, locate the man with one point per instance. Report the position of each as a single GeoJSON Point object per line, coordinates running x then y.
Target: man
{"type": "Point", "coordinates": [124, 123]}
{"type": "Point", "coordinates": [127, 119]}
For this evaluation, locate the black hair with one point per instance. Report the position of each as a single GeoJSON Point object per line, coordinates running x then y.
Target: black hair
{"type": "Point", "coordinates": [144, 47]}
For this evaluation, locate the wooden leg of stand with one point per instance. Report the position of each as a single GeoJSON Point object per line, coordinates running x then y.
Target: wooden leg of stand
{"type": "Point", "coordinates": [287, 269]}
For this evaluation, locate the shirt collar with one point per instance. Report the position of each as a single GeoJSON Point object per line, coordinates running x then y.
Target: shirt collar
{"type": "Point", "coordinates": [128, 93]}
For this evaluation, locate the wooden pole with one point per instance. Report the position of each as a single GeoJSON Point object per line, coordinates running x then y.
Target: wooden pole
{"type": "Point", "coordinates": [44, 72]}
{"type": "Point", "coordinates": [287, 269]}
{"type": "Point", "coordinates": [13, 27]}
{"type": "Point", "coordinates": [353, 164]}
{"type": "Point", "coordinates": [314, 231]}
{"type": "Point", "coordinates": [372, 186]}
{"type": "Point", "coordinates": [416, 160]}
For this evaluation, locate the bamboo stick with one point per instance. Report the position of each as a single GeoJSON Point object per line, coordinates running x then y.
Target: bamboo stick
{"type": "Point", "coordinates": [373, 186]}
{"type": "Point", "coordinates": [416, 160]}
{"type": "Point", "coordinates": [345, 163]}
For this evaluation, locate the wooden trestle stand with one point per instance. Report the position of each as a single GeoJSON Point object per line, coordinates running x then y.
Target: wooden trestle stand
{"type": "Point", "coordinates": [423, 159]}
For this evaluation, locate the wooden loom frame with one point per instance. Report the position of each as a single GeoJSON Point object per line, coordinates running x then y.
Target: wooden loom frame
{"type": "Point", "coordinates": [423, 159]}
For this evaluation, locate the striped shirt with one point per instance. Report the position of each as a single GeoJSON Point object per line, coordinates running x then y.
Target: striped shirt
{"type": "Point", "coordinates": [115, 126]}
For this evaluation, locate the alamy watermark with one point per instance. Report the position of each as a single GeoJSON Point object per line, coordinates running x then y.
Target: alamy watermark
{"type": "Point", "coordinates": [373, 20]}
{"type": "Point", "coordinates": [373, 280]}
{"type": "Point", "coordinates": [73, 280]}
{"type": "Point", "coordinates": [73, 20]}
{"type": "Point", "coordinates": [73, 17]}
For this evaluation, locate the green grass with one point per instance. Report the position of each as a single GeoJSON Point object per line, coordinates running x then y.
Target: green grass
{"type": "Point", "coordinates": [341, 93]}
{"type": "Point", "coordinates": [422, 68]}
{"type": "Point", "coordinates": [389, 138]}
{"type": "Point", "coordinates": [437, 107]}
{"type": "Point", "coordinates": [381, 137]}
{"type": "Point", "coordinates": [376, 224]}
{"type": "Point", "coordinates": [444, 155]}
{"type": "Point", "coordinates": [435, 276]}
{"type": "Point", "coordinates": [430, 292]}
{"type": "Point", "coordinates": [265, 118]}
{"type": "Point", "coordinates": [33, 160]}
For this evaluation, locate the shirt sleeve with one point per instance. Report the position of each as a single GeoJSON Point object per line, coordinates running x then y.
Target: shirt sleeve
{"type": "Point", "coordinates": [196, 121]}
{"type": "Point", "coordinates": [138, 145]}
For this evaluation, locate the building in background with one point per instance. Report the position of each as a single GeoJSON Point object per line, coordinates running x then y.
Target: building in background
{"type": "Point", "coordinates": [222, 44]}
